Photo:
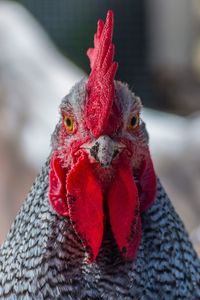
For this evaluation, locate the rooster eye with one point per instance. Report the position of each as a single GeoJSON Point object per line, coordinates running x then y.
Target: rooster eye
{"type": "Point", "coordinates": [134, 122]}
{"type": "Point", "coordinates": [69, 123]}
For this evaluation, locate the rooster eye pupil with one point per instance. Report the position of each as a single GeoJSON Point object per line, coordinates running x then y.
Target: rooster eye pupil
{"type": "Point", "coordinates": [68, 122]}
{"type": "Point", "coordinates": [133, 121]}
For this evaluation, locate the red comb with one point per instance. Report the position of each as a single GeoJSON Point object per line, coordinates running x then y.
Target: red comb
{"type": "Point", "coordinates": [100, 86]}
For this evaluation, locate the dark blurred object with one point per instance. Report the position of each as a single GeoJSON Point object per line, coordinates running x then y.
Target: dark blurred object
{"type": "Point", "coordinates": [177, 92]}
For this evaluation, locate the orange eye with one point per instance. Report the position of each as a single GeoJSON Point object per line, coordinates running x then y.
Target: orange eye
{"type": "Point", "coordinates": [134, 122]}
{"type": "Point", "coordinates": [69, 123]}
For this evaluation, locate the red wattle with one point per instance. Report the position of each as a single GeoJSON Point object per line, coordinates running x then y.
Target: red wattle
{"type": "Point", "coordinates": [123, 206]}
{"type": "Point", "coordinates": [86, 205]}
{"type": "Point", "coordinates": [78, 194]}
{"type": "Point", "coordinates": [135, 242]}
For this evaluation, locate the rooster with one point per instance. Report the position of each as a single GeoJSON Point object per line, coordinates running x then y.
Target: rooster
{"type": "Point", "coordinates": [97, 223]}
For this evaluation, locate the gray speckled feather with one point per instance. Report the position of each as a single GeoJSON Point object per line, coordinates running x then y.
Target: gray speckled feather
{"type": "Point", "coordinates": [43, 259]}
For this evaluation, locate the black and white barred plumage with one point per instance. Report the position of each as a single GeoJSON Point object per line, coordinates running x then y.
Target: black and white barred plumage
{"type": "Point", "coordinates": [42, 257]}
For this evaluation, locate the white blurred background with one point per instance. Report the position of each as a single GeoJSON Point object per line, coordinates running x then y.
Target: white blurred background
{"type": "Point", "coordinates": [159, 54]}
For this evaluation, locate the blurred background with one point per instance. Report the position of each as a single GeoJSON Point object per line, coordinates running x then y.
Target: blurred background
{"type": "Point", "coordinates": [43, 48]}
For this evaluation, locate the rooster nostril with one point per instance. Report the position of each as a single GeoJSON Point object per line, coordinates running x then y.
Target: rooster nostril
{"type": "Point", "coordinates": [94, 150]}
{"type": "Point", "coordinates": [116, 152]}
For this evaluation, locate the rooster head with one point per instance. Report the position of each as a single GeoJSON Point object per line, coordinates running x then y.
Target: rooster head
{"type": "Point", "coordinates": [100, 160]}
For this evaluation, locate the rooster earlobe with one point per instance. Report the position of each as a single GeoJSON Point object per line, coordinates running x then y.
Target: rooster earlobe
{"type": "Point", "coordinates": [147, 183]}
{"type": "Point", "coordinates": [57, 190]}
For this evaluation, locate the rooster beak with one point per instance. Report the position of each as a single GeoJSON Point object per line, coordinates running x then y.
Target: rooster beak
{"type": "Point", "coordinates": [104, 150]}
